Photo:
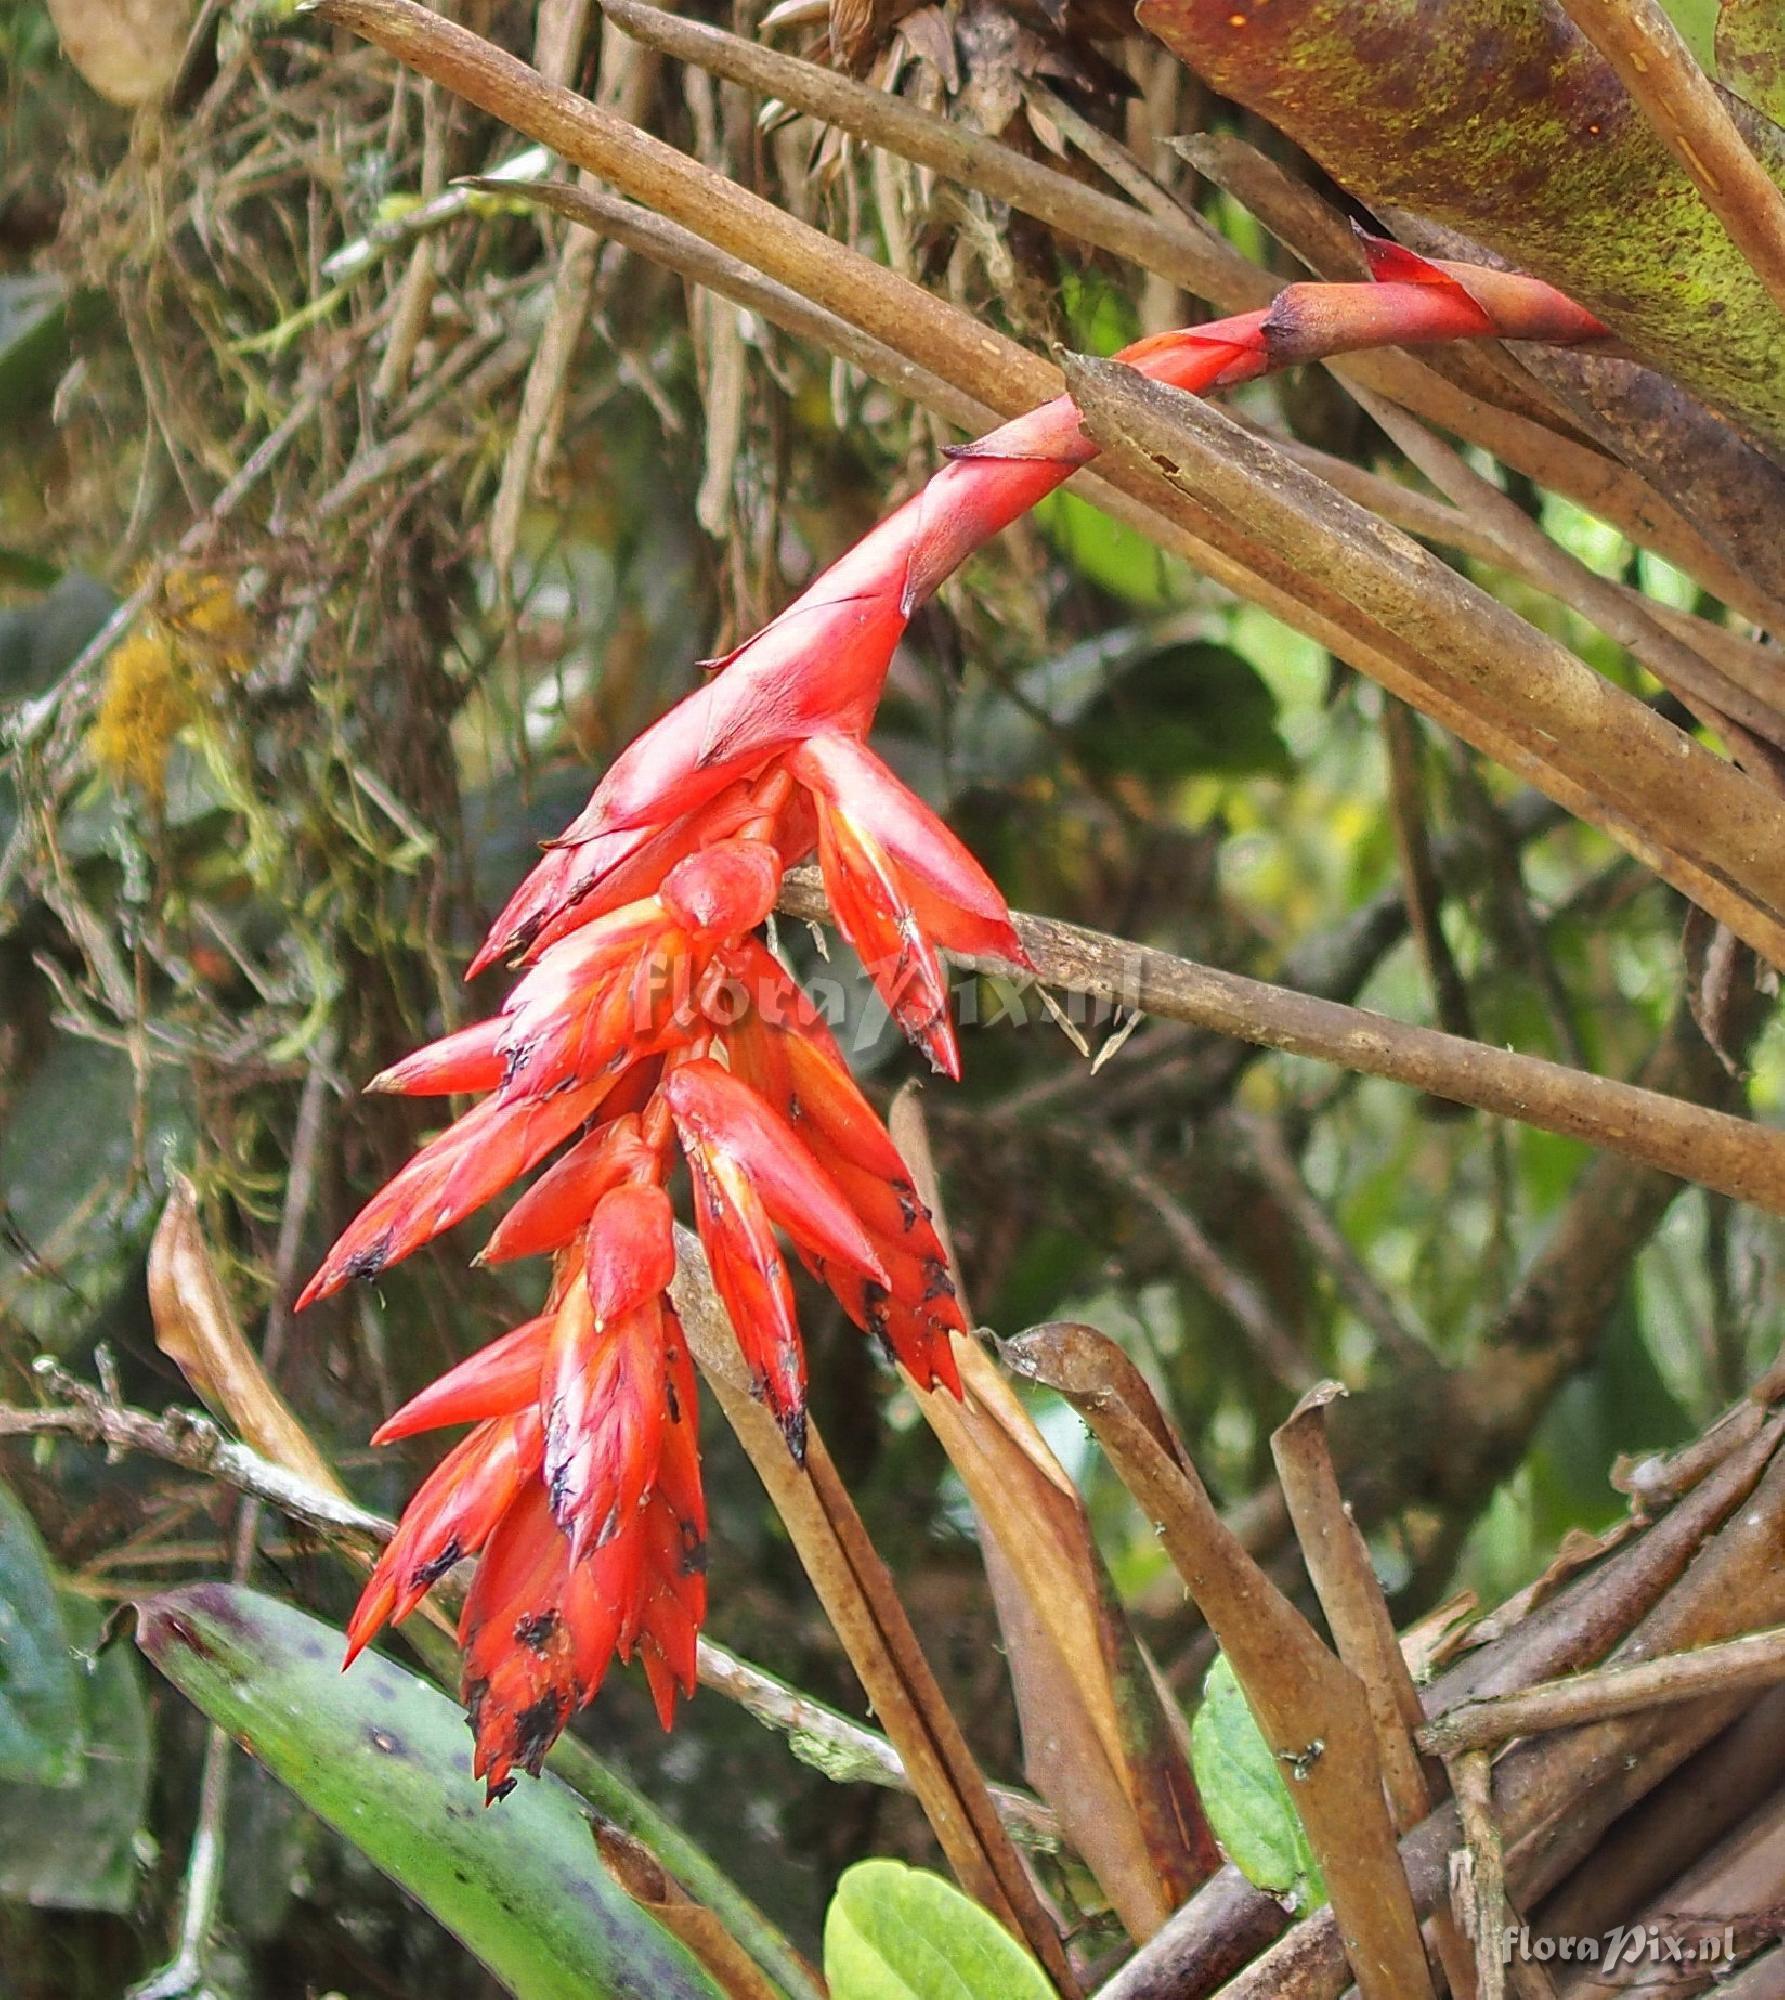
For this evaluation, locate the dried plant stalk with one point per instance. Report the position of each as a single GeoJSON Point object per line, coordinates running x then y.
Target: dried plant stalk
{"type": "Point", "coordinates": [1695, 820]}
{"type": "Point", "coordinates": [863, 1607]}
{"type": "Point", "coordinates": [1710, 1147]}
{"type": "Point", "coordinates": [1500, 409]}
{"type": "Point", "coordinates": [1101, 1741]}
{"type": "Point", "coordinates": [1310, 1707]}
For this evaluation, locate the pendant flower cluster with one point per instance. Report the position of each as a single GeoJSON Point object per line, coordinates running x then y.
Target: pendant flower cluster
{"type": "Point", "coordinates": [647, 1026]}
{"type": "Point", "coordinates": [651, 1021]}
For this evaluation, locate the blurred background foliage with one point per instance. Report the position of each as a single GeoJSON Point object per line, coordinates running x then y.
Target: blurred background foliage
{"type": "Point", "coordinates": [283, 729]}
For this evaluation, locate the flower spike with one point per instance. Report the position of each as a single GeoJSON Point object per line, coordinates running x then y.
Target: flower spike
{"type": "Point", "coordinates": [649, 1015]}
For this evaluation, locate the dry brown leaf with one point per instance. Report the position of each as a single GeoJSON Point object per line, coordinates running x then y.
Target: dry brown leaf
{"type": "Point", "coordinates": [1310, 1707]}
{"type": "Point", "coordinates": [1098, 1741]}
{"type": "Point", "coordinates": [128, 50]}
{"type": "Point", "coordinates": [862, 1604]}
{"type": "Point", "coordinates": [659, 1894]}
{"type": "Point", "coordinates": [196, 1328]}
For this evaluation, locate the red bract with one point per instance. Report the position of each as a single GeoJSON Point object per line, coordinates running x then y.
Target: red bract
{"type": "Point", "coordinates": [651, 1015]}
{"type": "Point", "coordinates": [499, 1380]}
{"type": "Point", "coordinates": [604, 1389]}
{"type": "Point", "coordinates": [455, 1512]}
{"type": "Point", "coordinates": [751, 1171]}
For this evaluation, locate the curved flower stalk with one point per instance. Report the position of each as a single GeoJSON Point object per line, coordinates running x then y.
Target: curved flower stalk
{"type": "Point", "coordinates": [650, 1020]}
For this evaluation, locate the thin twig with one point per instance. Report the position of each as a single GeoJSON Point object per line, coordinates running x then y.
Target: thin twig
{"type": "Point", "coordinates": [846, 1752]}
{"type": "Point", "coordinates": [202, 1888]}
{"type": "Point", "coordinates": [1231, 1289]}
{"type": "Point", "coordinates": [1424, 888]}
{"type": "Point", "coordinates": [1339, 1568]}
{"type": "Point", "coordinates": [28, 725]}
{"type": "Point", "coordinates": [1478, 1885]}
{"type": "Point", "coordinates": [1734, 1155]}
{"type": "Point", "coordinates": [690, 256]}
{"type": "Point", "coordinates": [1736, 1666]}
{"type": "Point", "coordinates": [1520, 430]}
{"type": "Point", "coordinates": [1269, 1153]}
{"type": "Point", "coordinates": [830, 1742]}
{"type": "Point", "coordinates": [1658, 792]}
{"type": "Point", "coordinates": [1363, 1633]}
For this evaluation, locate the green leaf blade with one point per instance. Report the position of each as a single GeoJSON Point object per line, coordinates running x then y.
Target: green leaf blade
{"type": "Point", "coordinates": [383, 1759]}
{"type": "Point", "coordinates": [1247, 1799]}
{"type": "Point", "coordinates": [899, 1933]}
{"type": "Point", "coordinates": [41, 1735]}
{"type": "Point", "coordinates": [82, 1853]}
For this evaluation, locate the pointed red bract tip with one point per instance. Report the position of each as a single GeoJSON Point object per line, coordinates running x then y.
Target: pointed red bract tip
{"type": "Point", "coordinates": [557, 1207]}
{"type": "Point", "coordinates": [875, 915]}
{"type": "Point", "coordinates": [1392, 263]}
{"type": "Point", "coordinates": [471, 1161]}
{"type": "Point", "coordinates": [791, 1059]}
{"type": "Point", "coordinates": [605, 1389]}
{"type": "Point", "coordinates": [630, 1255]}
{"type": "Point", "coordinates": [499, 1380]}
{"type": "Point", "coordinates": [467, 1062]}
{"type": "Point", "coordinates": [619, 989]}
{"type": "Point", "coordinates": [606, 1403]}
{"type": "Point", "coordinates": [751, 1279]}
{"type": "Point", "coordinates": [520, 1682]}
{"type": "Point", "coordinates": [719, 1115]}
{"type": "Point", "coordinates": [955, 902]}
{"type": "Point", "coordinates": [452, 1514]}
{"type": "Point", "coordinates": [725, 890]}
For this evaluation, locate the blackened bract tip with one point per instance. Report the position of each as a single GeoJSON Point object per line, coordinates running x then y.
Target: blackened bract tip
{"type": "Point", "coordinates": [793, 1429]}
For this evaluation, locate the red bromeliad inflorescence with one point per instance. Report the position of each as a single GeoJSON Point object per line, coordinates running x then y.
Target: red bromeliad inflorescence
{"type": "Point", "coordinates": [650, 1019]}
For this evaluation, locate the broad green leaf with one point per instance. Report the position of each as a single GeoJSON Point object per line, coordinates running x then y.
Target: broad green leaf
{"type": "Point", "coordinates": [1438, 109]}
{"type": "Point", "coordinates": [33, 325]}
{"type": "Point", "coordinates": [82, 1853]}
{"type": "Point", "coordinates": [1751, 53]}
{"type": "Point", "coordinates": [40, 1707]}
{"type": "Point", "coordinates": [899, 1933]}
{"type": "Point", "coordinates": [78, 1218]}
{"type": "Point", "coordinates": [385, 1760]}
{"type": "Point", "coordinates": [1247, 1797]}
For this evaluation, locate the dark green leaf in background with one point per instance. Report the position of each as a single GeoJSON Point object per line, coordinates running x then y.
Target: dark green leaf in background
{"type": "Point", "coordinates": [33, 346]}
{"type": "Point", "coordinates": [40, 1699]}
{"type": "Point", "coordinates": [76, 1222]}
{"type": "Point", "coordinates": [1182, 710]}
{"type": "Point", "coordinates": [80, 1850]}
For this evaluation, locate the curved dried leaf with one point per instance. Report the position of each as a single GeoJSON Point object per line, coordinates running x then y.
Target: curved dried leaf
{"type": "Point", "coordinates": [128, 50]}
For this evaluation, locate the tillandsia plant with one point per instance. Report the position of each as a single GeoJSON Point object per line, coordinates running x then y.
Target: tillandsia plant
{"type": "Point", "coordinates": [651, 1017]}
